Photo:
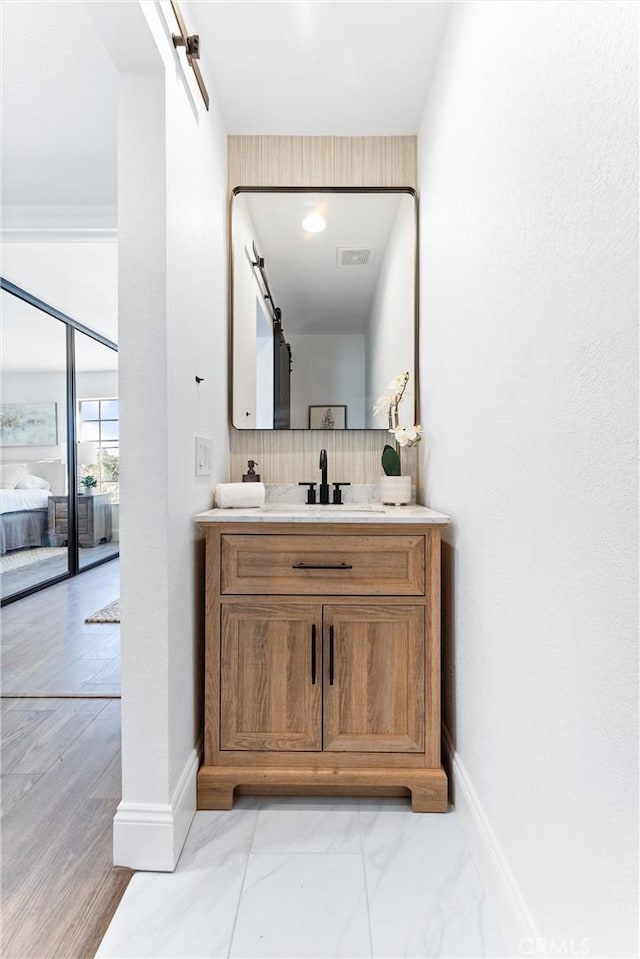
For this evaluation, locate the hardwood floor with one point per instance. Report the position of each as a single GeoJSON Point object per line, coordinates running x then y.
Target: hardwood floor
{"type": "Point", "coordinates": [60, 776]}
{"type": "Point", "coordinates": [53, 563]}
{"type": "Point", "coordinates": [49, 650]}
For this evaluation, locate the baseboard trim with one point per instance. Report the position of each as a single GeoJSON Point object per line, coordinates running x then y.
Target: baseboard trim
{"type": "Point", "coordinates": [517, 926]}
{"type": "Point", "coordinates": [150, 836]}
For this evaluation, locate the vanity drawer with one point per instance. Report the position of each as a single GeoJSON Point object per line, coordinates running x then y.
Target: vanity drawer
{"type": "Point", "coordinates": [329, 565]}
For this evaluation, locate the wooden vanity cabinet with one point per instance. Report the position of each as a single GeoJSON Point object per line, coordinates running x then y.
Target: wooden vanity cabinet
{"type": "Point", "coordinates": [322, 662]}
{"type": "Point", "coordinates": [270, 684]}
{"type": "Point", "coordinates": [374, 693]}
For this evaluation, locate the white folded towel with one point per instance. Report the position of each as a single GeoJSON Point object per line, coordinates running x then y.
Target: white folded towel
{"type": "Point", "coordinates": [239, 495]}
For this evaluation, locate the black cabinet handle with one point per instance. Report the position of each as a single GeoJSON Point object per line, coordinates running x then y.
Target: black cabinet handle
{"type": "Point", "coordinates": [321, 566]}
{"type": "Point", "coordinates": [331, 655]}
{"type": "Point", "coordinates": [313, 654]}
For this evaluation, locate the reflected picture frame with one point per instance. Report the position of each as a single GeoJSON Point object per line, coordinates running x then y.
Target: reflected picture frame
{"type": "Point", "coordinates": [28, 424]}
{"type": "Point", "coordinates": [329, 416]}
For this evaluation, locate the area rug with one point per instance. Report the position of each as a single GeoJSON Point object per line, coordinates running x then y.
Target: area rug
{"type": "Point", "coordinates": [108, 614]}
{"type": "Point", "coordinates": [26, 557]}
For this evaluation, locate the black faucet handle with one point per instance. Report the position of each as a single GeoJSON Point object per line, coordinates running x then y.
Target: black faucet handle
{"type": "Point", "coordinates": [311, 493]}
{"type": "Point", "coordinates": [337, 493]}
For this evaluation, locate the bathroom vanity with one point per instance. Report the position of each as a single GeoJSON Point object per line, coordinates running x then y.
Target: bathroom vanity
{"type": "Point", "coordinates": [322, 654]}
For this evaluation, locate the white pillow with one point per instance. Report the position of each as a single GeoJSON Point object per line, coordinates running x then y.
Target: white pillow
{"type": "Point", "coordinates": [29, 481]}
{"type": "Point", "coordinates": [10, 473]}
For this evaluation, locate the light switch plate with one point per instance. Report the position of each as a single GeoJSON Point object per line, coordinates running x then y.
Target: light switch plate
{"type": "Point", "coordinates": [204, 455]}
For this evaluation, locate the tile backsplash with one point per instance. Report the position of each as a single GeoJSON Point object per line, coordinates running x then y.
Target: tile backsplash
{"type": "Point", "coordinates": [289, 456]}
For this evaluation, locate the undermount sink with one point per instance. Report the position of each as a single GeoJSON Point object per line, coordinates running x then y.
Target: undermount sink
{"type": "Point", "coordinates": [322, 510]}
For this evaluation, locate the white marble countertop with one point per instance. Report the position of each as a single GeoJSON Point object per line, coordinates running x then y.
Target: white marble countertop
{"type": "Point", "coordinates": [349, 513]}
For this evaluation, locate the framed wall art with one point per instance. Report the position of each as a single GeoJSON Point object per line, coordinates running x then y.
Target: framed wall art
{"type": "Point", "coordinates": [28, 424]}
{"type": "Point", "coordinates": [328, 417]}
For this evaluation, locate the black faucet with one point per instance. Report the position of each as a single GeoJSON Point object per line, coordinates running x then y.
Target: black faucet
{"type": "Point", "coordinates": [324, 486]}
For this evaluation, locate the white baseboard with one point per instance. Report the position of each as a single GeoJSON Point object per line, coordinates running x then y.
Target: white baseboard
{"type": "Point", "coordinates": [517, 926]}
{"type": "Point", "coordinates": [150, 836]}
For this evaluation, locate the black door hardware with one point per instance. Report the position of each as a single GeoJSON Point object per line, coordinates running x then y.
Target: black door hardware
{"type": "Point", "coordinates": [331, 655]}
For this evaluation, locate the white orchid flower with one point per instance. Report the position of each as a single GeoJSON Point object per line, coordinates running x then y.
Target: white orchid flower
{"type": "Point", "coordinates": [397, 384]}
{"type": "Point", "coordinates": [404, 436]}
{"type": "Point", "coordinates": [390, 399]}
{"type": "Point", "coordinates": [382, 404]}
{"type": "Point", "coordinates": [407, 435]}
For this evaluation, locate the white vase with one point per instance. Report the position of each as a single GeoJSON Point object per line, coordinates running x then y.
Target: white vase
{"type": "Point", "coordinates": [395, 490]}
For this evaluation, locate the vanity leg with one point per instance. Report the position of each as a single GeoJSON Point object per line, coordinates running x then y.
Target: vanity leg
{"type": "Point", "coordinates": [214, 795]}
{"type": "Point", "coordinates": [420, 800]}
{"type": "Point", "coordinates": [431, 795]}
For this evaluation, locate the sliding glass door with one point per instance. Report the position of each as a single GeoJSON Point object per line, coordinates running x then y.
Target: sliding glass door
{"type": "Point", "coordinates": [59, 445]}
{"type": "Point", "coordinates": [98, 438]}
{"type": "Point", "coordinates": [33, 435]}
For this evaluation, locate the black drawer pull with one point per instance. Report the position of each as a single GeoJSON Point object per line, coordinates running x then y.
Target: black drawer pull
{"type": "Point", "coordinates": [331, 655]}
{"type": "Point", "coordinates": [313, 654]}
{"type": "Point", "coordinates": [322, 566]}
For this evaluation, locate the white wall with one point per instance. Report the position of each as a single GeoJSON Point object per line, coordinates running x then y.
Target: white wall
{"type": "Point", "coordinates": [173, 326]}
{"type": "Point", "coordinates": [197, 342]}
{"type": "Point", "coordinates": [529, 267]}
{"type": "Point", "coordinates": [51, 387]}
{"type": "Point", "coordinates": [327, 369]}
{"type": "Point", "coordinates": [80, 278]}
{"type": "Point", "coordinates": [101, 384]}
{"type": "Point", "coordinates": [264, 368]}
{"type": "Point", "coordinates": [43, 387]}
{"type": "Point", "coordinates": [247, 299]}
{"type": "Point", "coordinates": [390, 340]}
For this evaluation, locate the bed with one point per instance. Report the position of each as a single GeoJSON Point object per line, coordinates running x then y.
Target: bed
{"type": "Point", "coordinates": [24, 502]}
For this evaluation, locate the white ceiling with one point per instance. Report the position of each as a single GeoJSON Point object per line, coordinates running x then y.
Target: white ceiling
{"type": "Point", "coordinates": [32, 342]}
{"type": "Point", "coordinates": [59, 107]}
{"type": "Point", "coordinates": [277, 67]}
{"type": "Point", "coordinates": [308, 67]}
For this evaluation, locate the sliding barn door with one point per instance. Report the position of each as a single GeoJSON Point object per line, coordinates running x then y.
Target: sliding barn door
{"type": "Point", "coordinates": [281, 381]}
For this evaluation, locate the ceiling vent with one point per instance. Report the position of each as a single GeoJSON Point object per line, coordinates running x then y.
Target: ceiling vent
{"type": "Point", "coordinates": [353, 256]}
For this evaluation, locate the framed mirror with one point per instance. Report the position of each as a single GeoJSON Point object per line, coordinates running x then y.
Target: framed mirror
{"type": "Point", "coordinates": [323, 305]}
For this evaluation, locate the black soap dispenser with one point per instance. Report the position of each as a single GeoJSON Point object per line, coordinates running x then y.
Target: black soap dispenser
{"type": "Point", "coordinates": [251, 476]}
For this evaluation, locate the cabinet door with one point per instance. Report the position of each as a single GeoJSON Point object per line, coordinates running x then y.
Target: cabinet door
{"type": "Point", "coordinates": [374, 689]}
{"type": "Point", "coordinates": [271, 677]}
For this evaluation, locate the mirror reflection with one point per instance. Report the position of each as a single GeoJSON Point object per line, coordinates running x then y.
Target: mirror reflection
{"type": "Point", "coordinates": [323, 307]}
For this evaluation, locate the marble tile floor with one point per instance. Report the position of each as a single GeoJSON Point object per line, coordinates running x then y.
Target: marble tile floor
{"type": "Point", "coordinates": [48, 649]}
{"type": "Point", "coordinates": [298, 877]}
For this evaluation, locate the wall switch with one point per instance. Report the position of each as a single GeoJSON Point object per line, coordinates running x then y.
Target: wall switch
{"type": "Point", "coordinates": [204, 455]}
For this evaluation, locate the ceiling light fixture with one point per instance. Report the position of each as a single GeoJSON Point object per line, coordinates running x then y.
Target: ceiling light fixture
{"type": "Point", "coordinates": [314, 223]}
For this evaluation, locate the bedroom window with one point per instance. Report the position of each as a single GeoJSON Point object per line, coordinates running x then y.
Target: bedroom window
{"type": "Point", "coordinates": [100, 434]}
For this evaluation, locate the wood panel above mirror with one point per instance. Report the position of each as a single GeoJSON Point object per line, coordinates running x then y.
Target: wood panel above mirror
{"type": "Point", "coordinates": [321, 320]}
